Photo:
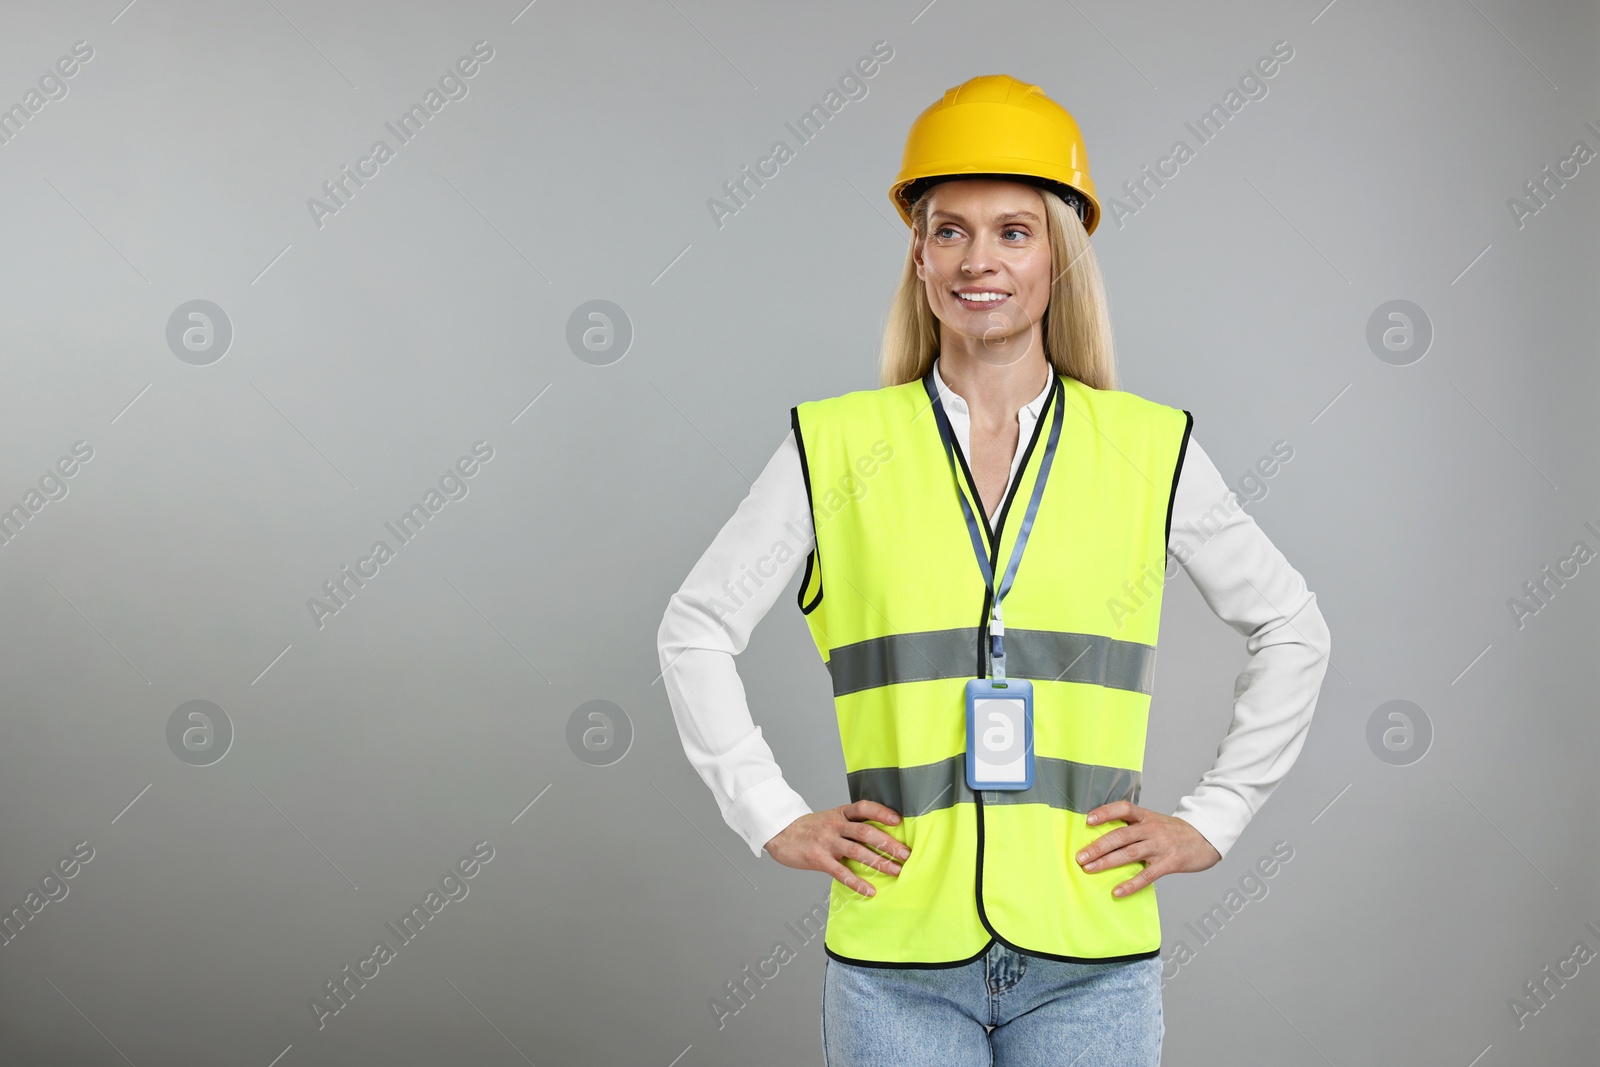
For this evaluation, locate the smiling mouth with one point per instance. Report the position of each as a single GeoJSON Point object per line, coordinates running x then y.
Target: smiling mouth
{"type": "Point", "coordinates": [979, 301]}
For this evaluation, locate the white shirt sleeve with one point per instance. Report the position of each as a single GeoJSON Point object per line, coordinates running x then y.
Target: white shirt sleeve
{"type": "Point", "coordinates": [1242, 576]}
{"type": "Point", "coordinates": [708, 621]}
{"type": "Point", "coordinates": [1246, 582]}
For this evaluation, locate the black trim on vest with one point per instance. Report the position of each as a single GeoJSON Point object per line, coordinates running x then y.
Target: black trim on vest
{"type": "Point", "coordinates": [1059, 395]}
{"type": "Point", "coordinates": [811, 557]}
{"type": "Point", "coordinates": [1183, 448]}
{"type": "Point", "coordinates": [994, 531]}
{"type": "Point", "coordinates": [984, 950]}
{"type": "Point", "coordinates": [805, 581]}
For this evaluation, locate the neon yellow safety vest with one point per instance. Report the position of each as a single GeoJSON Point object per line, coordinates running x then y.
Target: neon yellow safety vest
{"type": "Point", "coordinates": [899, 609]}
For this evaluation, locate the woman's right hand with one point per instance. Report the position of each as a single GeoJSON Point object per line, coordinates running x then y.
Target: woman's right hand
{"type": "Point", "coordinates": [818, 840]}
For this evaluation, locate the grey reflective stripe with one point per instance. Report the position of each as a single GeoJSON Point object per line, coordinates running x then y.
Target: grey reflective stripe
{"type": "Point", "coordinates": [1060, 783]}
{"type": "Point", "coordinates": [913, 657]}
{"type": "Point", "coordinates": [1041, 655]}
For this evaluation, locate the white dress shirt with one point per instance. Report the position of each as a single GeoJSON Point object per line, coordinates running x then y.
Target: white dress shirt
{"type": "Point", "coordinates": [1242, 576]}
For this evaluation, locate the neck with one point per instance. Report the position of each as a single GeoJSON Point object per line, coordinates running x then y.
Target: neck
{"type": "Point", "coordinates": [994, 393]}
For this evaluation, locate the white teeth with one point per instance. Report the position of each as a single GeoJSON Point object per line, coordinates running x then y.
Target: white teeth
{"type": "Point", "coordinates": [982, 297]}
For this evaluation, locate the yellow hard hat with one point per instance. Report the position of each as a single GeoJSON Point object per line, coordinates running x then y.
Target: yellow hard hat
{"type": "Point", "coordinates": [994, 126]}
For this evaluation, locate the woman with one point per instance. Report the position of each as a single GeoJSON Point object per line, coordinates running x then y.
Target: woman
{"type": "Point", "coordinates": [991, 900]}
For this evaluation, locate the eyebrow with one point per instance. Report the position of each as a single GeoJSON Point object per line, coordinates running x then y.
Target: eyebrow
{"type": "Point", "coordinates": [1009, 216]}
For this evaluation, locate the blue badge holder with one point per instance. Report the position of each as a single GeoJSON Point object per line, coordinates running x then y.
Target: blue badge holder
{"type": "Point", "coordinates": [999, 733]}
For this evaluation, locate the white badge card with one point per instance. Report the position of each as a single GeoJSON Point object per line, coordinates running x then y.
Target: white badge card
{"type": "Point", "coordinates": [999, 734]}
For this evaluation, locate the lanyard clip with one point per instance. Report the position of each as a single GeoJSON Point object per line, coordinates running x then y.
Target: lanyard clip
{"type": "Point", "coordinates": [997, 646]}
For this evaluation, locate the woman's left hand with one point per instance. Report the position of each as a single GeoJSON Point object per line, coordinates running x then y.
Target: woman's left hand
{"type": "Point", "coordinates": [1165, 844]}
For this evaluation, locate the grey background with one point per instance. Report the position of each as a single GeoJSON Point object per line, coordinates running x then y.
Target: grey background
{"type": "Point", "coordinates": [431, 311]}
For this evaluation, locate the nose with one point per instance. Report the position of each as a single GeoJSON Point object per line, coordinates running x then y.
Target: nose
{"type": "Point", "coordinates": [976, 261]}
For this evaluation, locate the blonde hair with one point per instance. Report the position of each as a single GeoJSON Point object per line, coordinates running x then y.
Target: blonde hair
{"type": "Point", "coordinates": [1077, 323]}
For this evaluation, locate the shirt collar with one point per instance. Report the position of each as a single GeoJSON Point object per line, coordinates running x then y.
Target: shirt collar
{"type": "Point", "coordinates": [953, 399]}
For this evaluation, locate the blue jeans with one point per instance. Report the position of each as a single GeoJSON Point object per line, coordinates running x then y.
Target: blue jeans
{"type": "Point", "coordinates": [1002, 1009]}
